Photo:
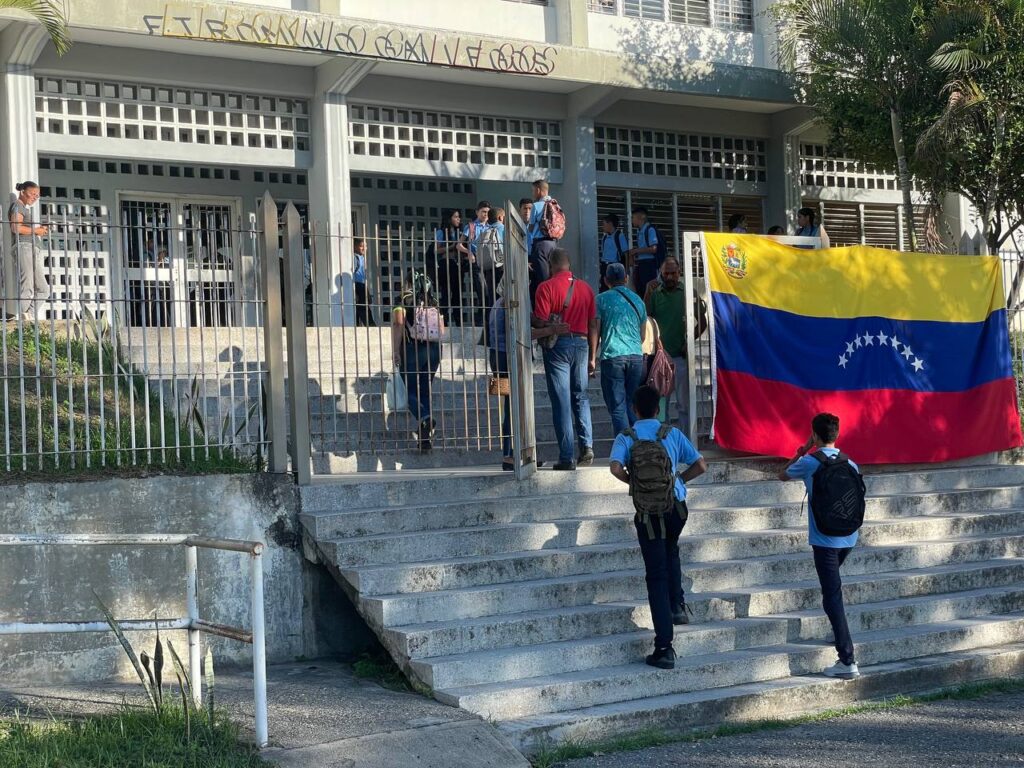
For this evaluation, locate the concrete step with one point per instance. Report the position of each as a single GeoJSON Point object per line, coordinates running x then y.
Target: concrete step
{"type": "Point", "coordinates": [890, 614]}
{"type": "Point", "coordinates": [434, 549]}
{"type": "Point", "coordinates": [594, 652]}
{"type": "Point", "coordinates": [609, 684]}
{"type": "Point", "coordinates": [463, 636]}
{"type": "Point", "coordinates": [599, 586]}
{"type": "Point", "coordinates": [781, 697]}
{"type": "Point", "coordinates": [554, 506]}
{"type": "Point", "coordinates": [700, 639]}
{"type": "Point", "coordinates": [728, 484]}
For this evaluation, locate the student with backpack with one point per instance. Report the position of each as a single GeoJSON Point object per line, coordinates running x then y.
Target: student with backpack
{"type": "Point", "coordinates": [417, 330]}
{"type": "Point", "coordinates": [613, 247]}
{"type": "Point", "coordinates": [545, 228]}
{"type": "Point", "coordinates": [649, 253]}
{"type": "Point", "coordinates": [650, 458]}
{"type": "Point", "coordinates": [836, 492]}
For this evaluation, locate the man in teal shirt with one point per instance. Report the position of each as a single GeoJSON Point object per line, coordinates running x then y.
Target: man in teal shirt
{"type": "Point", "coordinates": [618, 330]}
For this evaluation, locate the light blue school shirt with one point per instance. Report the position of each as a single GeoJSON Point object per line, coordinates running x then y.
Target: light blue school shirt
{"type": "Point", "coordinates": [609, 253]}
{"type": "Point", "coordinates": [804, 469]}
{"type": "Point", "coordinates": [646, 237]}
{"type": "Point", "coordinates": [680, 450]}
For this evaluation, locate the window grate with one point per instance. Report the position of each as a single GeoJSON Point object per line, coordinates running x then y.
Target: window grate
{"type": "Point", "coordinates": [737, 15]}
{"type": "Point", "coordinates": [154, 112]}
{"type": "Point", "coordinates": [648, 152]}
{"type": "Point", "coordinates": [482, 140]}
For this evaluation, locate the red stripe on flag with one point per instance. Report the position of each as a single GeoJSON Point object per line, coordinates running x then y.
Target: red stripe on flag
{"type": "Point", "coordinates": [877, 426]}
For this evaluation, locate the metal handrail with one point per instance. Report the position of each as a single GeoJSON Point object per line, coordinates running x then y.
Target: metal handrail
{"type": "Point", "coordinates": [192, 623]}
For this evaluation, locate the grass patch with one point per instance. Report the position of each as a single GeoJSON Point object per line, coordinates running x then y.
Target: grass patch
{"type": "Point", "coordinates": [73, 406]}
{"type": "Point", "coordinates": [380, 669]}
{"type": "Point", "coordinates": [129, 737]}
{"type": "Point", "coordinates": [549, 757]}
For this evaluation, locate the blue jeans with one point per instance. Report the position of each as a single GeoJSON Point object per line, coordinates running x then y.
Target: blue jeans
{"type": "Point", "coordinates": [620, 378]}
{"type": "Point", "coordinates": [499, 367]}
{"type": "Point", "coordinates": [827, 562]}
{"type": "Point", "coordinates": [422, 359]}
{"type": "Point", "coordinates": [664, 573]}
{"type": "Point", "coordinates": [565, 370]}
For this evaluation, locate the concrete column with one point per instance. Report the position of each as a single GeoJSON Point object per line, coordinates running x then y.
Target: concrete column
{"type": "Point", "coordinates": [330, 195]}
{"type": "Point", "coordinates": [580, 198]}
{"type": "Point", "coordinates": [572, 23]}
{"type": "Point", "coordinates": [784, 187]}
{"type": "Point", "coordinates": [20, 46]}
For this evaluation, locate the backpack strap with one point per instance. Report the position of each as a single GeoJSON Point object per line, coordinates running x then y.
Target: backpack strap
{"type": "Point", "coordinates": [630, 433]}
{"type": "Point", "coordinates": [824, 458]}
{"type": "Point", "coordinates": [664, 430]}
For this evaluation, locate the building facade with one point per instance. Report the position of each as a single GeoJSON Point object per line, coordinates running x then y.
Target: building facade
{"type": "Point", "coordinates": [376, 117]}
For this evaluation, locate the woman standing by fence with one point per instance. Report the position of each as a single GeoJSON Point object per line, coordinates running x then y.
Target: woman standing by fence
{"type": "Point", "coordinates": [27, 248]}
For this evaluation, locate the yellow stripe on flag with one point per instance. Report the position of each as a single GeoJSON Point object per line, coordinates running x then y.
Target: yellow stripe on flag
{"type": "Point", "coordinates": [857, 281]}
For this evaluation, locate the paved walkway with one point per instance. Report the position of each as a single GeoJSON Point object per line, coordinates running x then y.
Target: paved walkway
{"type": "Point", "coordinates": [320, 716]}
{"type": "Point", "coordinates": [986, 733]}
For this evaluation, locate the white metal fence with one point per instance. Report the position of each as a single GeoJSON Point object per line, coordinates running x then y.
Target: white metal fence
{"type": "Point", "coordinates": [191, 622]}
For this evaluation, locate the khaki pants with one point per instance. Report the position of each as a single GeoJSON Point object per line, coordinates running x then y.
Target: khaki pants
{"type": "Point", "coordinates": [30, 272]}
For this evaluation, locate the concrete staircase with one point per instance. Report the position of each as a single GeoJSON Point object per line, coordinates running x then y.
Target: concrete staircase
{"type": "Point", "coordinates": [221, 369]}
{"type": "Point", "coordinates": [525, 602]}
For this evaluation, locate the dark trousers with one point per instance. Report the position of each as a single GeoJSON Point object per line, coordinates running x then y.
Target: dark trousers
{"type": "Point", "coordinates": [363, 316]}
{"type": "Point", "coordinates": [664, 574]}
{"type": "Point", "coordinates": [449, 290]}
{"type": "Point", "coordinates": [644, 271]}
{"type": "Point", "coordinates": [827, 562]}
{"type": "Point", "coordinates": [540, 268]}
{"type": "Point", "coordinates": [602, 286]}
{"type": "Point", "coordinates": [499, 367]}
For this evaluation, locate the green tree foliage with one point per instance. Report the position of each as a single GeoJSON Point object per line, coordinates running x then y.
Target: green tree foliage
{"type": "Point", "coordinates": [976, 146]}
{"type": "Point", "coordinates": [862, 66]}
{"type": "Point", "coordinates": [49, 15]}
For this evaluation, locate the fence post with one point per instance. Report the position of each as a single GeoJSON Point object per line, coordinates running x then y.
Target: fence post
{"type": "Point", "coordinates": [259, 649]}
{"type": "Point", "coordinates": [298, 366]}
{"type": "Point", "coordinates": [195, 653]}
{"type": "Point", "coordinates": [270, 278]}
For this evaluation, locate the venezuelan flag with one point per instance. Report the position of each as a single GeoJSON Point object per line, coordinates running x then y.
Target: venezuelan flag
{"type": "Point", "coordinates": [911, 351]}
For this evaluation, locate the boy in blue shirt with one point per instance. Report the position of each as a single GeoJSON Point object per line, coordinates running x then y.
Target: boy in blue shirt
{"type": "Point", "coordinates": [660, 549]}
{"type": "Point", "coordinates": [614, 246]}
{"type": "Point", "coordinates": [644, 257]}
{"type": "Point", "coordinates": [830, 552]}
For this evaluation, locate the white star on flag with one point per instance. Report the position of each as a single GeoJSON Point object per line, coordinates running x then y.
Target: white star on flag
{"type": "Point", "coordinates": [869, 340]}
{"type": "Point", "coordinates": [856, 342]}
{"type": "Point", "coordinates": [849, 348]}
{"type": "Point", "coordinates": [895, 343]}
{"type": "Point", "coordinates": [918, 365]}
{"type": "Point", "coordinates": [907, 352]}
{"type": "Point", "coordinates": [843, 361]}
{"type": "Point", "coordinates": [882, 338]}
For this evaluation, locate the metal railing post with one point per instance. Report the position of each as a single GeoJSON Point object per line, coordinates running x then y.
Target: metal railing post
{"type": "Point", "coordinates": [195, 651]}
{"type": "Point", "coordinates": [298, 364]}
{"type": "Point", "coordinates": [270, 276]}
{"type": "Point", "coordinates": [691, 358]}
{"type": "Point", "coordinates": [259, 651]}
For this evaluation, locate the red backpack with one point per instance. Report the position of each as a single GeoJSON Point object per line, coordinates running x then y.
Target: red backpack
{"type": "Point", "coordinates": [552, 220]}
{"type": "Point", "coordinates": [661, 375]}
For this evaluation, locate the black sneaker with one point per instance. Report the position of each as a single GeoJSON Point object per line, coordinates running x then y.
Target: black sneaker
{"type": "Point", "coordinates": [564, 466]}
{"type": "Point", "coordinates": [680, 616]}
{"type": "Point", "coordinates": [663, 658]}
{"type": "Point", "coordinates": [426, 431]}
{"type": "Point", "coordinates": [586, 457]}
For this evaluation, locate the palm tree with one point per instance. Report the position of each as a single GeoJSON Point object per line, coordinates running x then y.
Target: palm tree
{"type": "Point", "coordinates": [975, 143]}
{"type": "Point", "coordinates": [49, 15]}
{"type": "Point", "coordinates": [871, 48]}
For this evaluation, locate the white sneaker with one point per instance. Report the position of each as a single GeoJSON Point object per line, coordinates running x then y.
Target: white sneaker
{"type": "Point", "coordinates": [842, 671]}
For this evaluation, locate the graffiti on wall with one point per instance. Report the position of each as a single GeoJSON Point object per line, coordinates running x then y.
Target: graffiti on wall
{"type": "Point", "coordinates": [316, 33]}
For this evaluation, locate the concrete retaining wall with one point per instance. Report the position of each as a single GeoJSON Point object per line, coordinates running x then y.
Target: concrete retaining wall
{"type": "Point", "coordinates": [55, 583]}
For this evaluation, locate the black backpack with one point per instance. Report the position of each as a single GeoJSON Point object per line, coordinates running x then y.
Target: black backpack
{"type": "Point", "coordinates": [652, 478]}
{"type": "Point", "coordinates": [837, 497]}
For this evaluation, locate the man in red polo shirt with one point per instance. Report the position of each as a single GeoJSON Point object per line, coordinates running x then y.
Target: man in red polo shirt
{"type": "Point", "coordinates": [565, 363]}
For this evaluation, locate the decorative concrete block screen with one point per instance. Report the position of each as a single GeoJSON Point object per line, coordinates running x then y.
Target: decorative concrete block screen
{"type": "Point", "coordinates": [818, 169]}
{"type": "Point", "coordinates": [152, 112]}
{"type": "Point", "coordinates": [420, 134]}
{"type": "Point", "coordinates": [651, 152]}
